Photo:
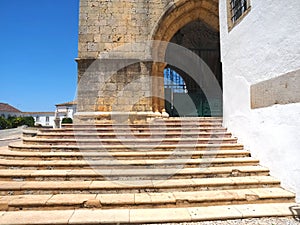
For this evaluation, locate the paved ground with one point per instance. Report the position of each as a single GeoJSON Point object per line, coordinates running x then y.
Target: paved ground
{"type": "Point", "coordinates": [10, 135]}
{"type": "Point", "coordinates": [261, 221]}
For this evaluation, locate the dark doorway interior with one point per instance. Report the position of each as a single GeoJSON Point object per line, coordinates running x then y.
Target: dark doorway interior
{"type": "Point", "coordinates": [183, 94]}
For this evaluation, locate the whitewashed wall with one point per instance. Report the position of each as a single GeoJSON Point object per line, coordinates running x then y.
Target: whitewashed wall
{"type": "Point", "coordinates": [66, 111]}
{"type": "Point", "coordinates": [266, 44]}
{"type": "Point", "coordinates": [42, 119]}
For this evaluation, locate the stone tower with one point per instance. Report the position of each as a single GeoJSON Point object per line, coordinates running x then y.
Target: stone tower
{"type": "Point", "coordinates": [116, 70]}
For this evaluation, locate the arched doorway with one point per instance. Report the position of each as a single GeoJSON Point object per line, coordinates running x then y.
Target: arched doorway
{"type": "Point", "coordinates": [183, 96]}
{"type": "Point", "coordinates": [204, 41]}
{"type": "Point", "coordinates": [193, 25]}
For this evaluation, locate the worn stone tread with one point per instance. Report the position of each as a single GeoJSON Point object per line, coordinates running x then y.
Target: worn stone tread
{"type": "Point", "coordinates": [130, 172]}
{"type": "Point", "coordinates": [159, 132]}
{"type": "Point", "coordinates": [6, 152]}
{"type": "Point", "coordinates": [130, 162]}
{"type": "Point", "coordinates": [124, 140]}
{"type": "Point", "coordinates": [153, 130]}
{"type": "Point", "coordinates": [134, 184]}
{"type": "Point", "coordinates": [64, 176]}
{"type": "Point", "coordinates": [126, 134]}
{"type": "Point", "coordinates": [141, 199]}
{"type": "Point", "coordinates": [153, 123]}
{"type": "Point", "coordinates": [158, 215]}
{"type": "Point", "coordinates": [105, 147]}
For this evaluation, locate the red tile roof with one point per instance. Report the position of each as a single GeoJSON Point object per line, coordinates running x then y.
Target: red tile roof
{"type": "Point", "coordinates": [38, 113]}
{"type": "Point", "coordinates": [67, 103]}
{"type": "Point", "coordinates": [4, 107]}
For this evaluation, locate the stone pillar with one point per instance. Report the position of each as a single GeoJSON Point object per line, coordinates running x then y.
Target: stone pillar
{"type": "Point", "coordinates": [113, 88]}
{"type": "Point", "coordinates": [111, 78]}
{"type": "Point", "coordinates": [56, 120]}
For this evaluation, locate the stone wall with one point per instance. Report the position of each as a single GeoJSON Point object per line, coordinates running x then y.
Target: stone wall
{"type": "Point", "coordinates": [107, 24]}
{"type": "Point", "coordinates": [115, 85]}
{"type": "Point", "coordinates": [284, 89]}
{"type": "Point", "coordinates": [107, 30]}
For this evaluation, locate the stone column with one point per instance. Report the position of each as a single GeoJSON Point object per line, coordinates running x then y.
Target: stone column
{"type": "Point", "coordinates": [112, 77]}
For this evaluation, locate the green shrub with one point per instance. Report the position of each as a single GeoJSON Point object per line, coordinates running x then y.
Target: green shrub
{"type": "Point", "coordinates": [4, 124]}
{"type": "Point", "coordinates": [29, 121]}
{"type": "Point", "coordinates": [17, 121]}
{"type": "Point", "coordinates": [67, 120]}
{"type": "Point", "coordinates": [14, 122]}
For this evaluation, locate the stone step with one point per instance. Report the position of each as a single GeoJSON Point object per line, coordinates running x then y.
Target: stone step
{"type": "Point", "coordinates": [128, 134]}
{"type": "Point", "coordinates": [9, 154]}
{"type": "Point", "coordinates": [155, 215]}
{"type": "Point", "coordinates": [213, 118]}
{"type": "Point", "coordinates": [145, 147]}
{"type": "Point", "coordinates": [146, 200]}
{"type": "Point", "coordinates": [149, 125]}
{"type": "Point", "coordinates": [187, 120]}
{"type": "Point", "coordinates": [162, 120]}
{"type": "Point", "coordinates": [126, 129]}
{"type": "Point", "coordinates": [115, 164]}
{"type": "Point", "coordinates": [163, 168]}
{"type": "Point", "coordinates": [128, 141]}
{"type": "Point", "coordinates": [130, 174]}
{"type": "Point", "coordinates": [134, 186]}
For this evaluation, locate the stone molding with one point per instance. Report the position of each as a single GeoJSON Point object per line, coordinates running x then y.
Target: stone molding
{"type": "Point", "coordinates": [284, 89]}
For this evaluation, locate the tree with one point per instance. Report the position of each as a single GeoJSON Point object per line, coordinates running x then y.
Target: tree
{"type": "Point", "coordinates": [66, 120]}
{"type": "Point", "coordinates": [14, 122]}
{"type": "Point", "coordinates": [3, 123]}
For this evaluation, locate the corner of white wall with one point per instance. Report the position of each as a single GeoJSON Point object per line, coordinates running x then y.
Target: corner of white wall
{"type": "Point", "coordinates": [272, 134]}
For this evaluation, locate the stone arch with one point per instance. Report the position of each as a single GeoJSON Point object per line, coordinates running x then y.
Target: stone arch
{"type": "Point", "coordinates": [182, 12]}
{"type": "Point", "coordinates": [177, 15]}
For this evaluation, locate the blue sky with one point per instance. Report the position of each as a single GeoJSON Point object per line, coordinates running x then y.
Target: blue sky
{"type": "Point", "coordinates": [38, 45]}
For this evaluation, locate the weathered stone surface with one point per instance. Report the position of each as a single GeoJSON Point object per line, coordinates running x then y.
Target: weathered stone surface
{"type": "Point", "coordinates": [118, 30]}
{"type": "Point", "coordinates": [280, 90]}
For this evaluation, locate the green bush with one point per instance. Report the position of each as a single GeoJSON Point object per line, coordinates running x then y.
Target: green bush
{"type": "Point", "coordinates": [66, 120]}
{"type": "Point", "coordinates": [29, 121]}
{"type": "Point", "coordinates": [17, 121]}
{"type": "Point", "coordinates": [4, 124]}
{"type": "Point", "coordinates": [10, 121]}
{"type": "Point", "coordinates": [14, 122]}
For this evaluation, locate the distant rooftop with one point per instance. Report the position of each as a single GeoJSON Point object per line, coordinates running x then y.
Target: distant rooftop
{"type": "Point", "coordinates": [38, 113]}
{"type": "Point", "coordinates": [67, 103]}
{"type": "Point", "coordinates": [4, 107]}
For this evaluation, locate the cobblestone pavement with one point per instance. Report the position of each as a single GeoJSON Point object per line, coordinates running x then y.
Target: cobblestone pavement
{"type": "Point", "coordinates": [256, 221]}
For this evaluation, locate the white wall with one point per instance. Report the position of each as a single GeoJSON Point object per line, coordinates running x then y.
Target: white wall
{"type": "Point", "coordinates": [67, 111]}
{"type": "Point", "coordinates": [264, 45]}
{"type": "Point", "coordinates": [64, 111]}
{"type": "Point", "coordinates": [42, 119]}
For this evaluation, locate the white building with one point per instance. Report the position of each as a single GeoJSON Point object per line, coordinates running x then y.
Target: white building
{"type": "Point", "coordinates": [65, 110]}
{"type": "Point", "coordinates": [260, 53]}
{"type": "Point", "coordinates": [47, 119]}
{"type": "Point", "coordinates": [44, 119]}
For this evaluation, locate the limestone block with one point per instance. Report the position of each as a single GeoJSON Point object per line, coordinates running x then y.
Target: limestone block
{"type": "Point", "coordinates": [92, 46]}
{"type": "Point", "coordinates": [92, 203]}
{"type": "Point", "coordinates": [3, 206]}
{"type": "Point", "coordinates": [280, 90]}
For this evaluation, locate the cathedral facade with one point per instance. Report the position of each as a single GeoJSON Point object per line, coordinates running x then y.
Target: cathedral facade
{"type": "Point", "coordinates": [239, 59]}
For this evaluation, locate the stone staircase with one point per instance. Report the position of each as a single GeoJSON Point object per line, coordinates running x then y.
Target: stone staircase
{"type": "Point", "coordinates": [170, 170]}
